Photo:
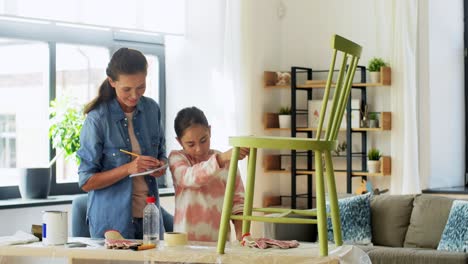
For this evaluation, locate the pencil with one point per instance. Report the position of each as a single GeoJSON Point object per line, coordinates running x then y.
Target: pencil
{"type": "Point", "coordinates": [129, 153]}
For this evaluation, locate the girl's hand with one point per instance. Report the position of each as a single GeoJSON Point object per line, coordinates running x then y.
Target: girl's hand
{"type": "Point", "coordinates": [243, 152]}
{"type": "Point", "coordinates": [142, 164]}
{"type": "Point", "coordinates": [225, 157]}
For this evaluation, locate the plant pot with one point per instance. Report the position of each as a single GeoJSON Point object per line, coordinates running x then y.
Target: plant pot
{"type": "Point", "coordinates": [35, 183]}
{"type": "Point", "coordinates": [364, 123]}
{"type": "Point", "coordinates": [374, 77]}
{"type": "Point", "coordinates": [373, 123]}
{"type": "Point", "coordinates": [373, 166]}
{"type": "Point", "coordinates": [284, 121]}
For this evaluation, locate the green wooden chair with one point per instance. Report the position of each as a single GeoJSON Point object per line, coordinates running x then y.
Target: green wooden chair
{"type": "Point", "coordinates": [322, 147]}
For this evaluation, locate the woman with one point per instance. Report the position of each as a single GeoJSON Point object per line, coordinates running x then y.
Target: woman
{"type": "Point", "coordinates": [120, 117]}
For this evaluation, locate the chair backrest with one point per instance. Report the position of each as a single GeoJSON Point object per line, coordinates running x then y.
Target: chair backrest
{"type": "Point", "coordinates": [349, 50]}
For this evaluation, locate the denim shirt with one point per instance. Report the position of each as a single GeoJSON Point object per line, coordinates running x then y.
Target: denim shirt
{"type": "Point", "coordinates": [104, 132]}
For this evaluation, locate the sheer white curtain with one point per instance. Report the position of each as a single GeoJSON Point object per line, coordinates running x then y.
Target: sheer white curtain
{"type": "Point", "coordinates": [204, 70]}
{"type": "Point", "coordinates": [405, 92]}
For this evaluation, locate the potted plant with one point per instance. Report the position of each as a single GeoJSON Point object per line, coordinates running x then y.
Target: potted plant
{"type": "Point", "coordinates": [66, 120]}
{"type": "Point", "coordinates": [341, 147]}
{"type": "Point", "coordinates": [373, 162]}
{"type": "Point", "coordinates": [374, 69]}
{"type": "Point", "coordinates": [284, 117]}
{"type": "Point", "coordinates": [373, 120]}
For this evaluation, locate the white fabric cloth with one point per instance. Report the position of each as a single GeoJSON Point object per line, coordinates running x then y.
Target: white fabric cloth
{"type": "Point", "coordinates": [351, 255]}
{"type": "Point", "coordinates": [405, 124]}
{"type": "Point", "coordinates": [20, 237]}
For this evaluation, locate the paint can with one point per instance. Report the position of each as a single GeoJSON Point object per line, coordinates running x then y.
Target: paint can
{"type": "Point", "coordinates": [54, 227]}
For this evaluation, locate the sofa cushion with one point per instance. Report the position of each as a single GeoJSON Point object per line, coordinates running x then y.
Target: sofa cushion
{"type": "Point", "coordinates": [355, 220]}
{"type": "Point", "coordinates": [390, 219]}
{"type": "Point", "coordinates": [389, 255]}
{"type": "Point", "coordinates": [455, 235]}
{"type": "Point", "coordinates": [427, 222]}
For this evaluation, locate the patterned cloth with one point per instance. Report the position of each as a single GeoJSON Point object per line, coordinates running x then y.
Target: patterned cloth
{"type": "Point", "coordinates": [199, 195]}
{"type": "Point", "coordinates": [455, 235]}
{"type": "Point", "coordinates": [355, 216]}
{"type": "Point", "coordinates": [263, 243]}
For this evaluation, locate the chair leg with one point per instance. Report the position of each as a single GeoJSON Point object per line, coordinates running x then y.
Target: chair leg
{"type": "Point", "coordinates": [333, 199]}
{"type": "Point", "coordinates": [321, 209]}
{"type": "Point", "coordinates": [227, 204]}
{"type": "Point", "coordinates": [249, 189]}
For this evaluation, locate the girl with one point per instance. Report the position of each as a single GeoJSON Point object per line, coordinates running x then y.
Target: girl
{"type": "Point", "coordinates": [199, 174]}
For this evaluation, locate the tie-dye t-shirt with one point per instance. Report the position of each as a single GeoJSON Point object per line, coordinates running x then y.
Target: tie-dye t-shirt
{"type": "Point", "coordinates": [199, 195]}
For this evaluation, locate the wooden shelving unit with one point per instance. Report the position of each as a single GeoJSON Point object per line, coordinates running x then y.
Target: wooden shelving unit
{"type": "Point", "coordinates": [385, 169]}
{"type": "Point", "coordinates": [272, 163]}
{"type": "Point", "coordinates": [270, 79]}
{"type": "Point", "coordinates": [385, 123]}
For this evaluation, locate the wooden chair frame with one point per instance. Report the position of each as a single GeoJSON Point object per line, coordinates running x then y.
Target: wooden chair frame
{"type": "Point", "coordinates": [322, 147]}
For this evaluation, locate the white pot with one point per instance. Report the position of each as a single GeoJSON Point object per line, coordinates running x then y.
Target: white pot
{"type": "Point", "coordinates": [373, 166]}
{"type": "Point", "coordinates": [374, 77]}
{"type": "Point", "coordinates": [284, 121]}
{"type": "Point", "coordinates": [373, 123]}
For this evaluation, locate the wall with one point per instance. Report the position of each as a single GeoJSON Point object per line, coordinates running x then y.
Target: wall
{"type": "Point", "coordinates": [22, 218]}
{"type": "Point", "coordinates": [304, 36]}
{"type": "Point", "coordinates": [305, 33]}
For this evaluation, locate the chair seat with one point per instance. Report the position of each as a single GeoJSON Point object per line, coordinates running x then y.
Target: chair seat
{"type": "Point", "coordinates": [282, 143]}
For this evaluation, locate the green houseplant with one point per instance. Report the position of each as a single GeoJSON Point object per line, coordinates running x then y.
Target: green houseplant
{"type": "Point", "coordinates": [285, 110]}
{"type": "Point", "coordinates": [374, 68]}
{"type": "Point", "coordinates": [373, 120]}
{"type": "Point", "coordinates": [66, 120]}
{"type": "Point", "coordinates": [284, 117]}
{"type": "Point", "coordinates": [373, 162]}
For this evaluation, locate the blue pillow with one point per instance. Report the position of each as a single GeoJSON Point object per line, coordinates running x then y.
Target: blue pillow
{"type": "Point", "coordinates": [355, 216]}
{"type": "Point", "coordinates": [455, 235]}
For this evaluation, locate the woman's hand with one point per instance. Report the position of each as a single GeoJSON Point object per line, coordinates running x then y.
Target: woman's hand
{"type": "Point", "coordinates": [142, 164]}
{"type": "Point", "coordinates": [225, 157]}
{"type": "Point", "coordinates": [159, 173]}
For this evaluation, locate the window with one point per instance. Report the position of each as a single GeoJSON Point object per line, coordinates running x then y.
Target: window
{"type": "Point", "coordinates": [79, 72]}
{"type": "Point", "coordinates": [7, 141]}
{"type": "Point", "coordinates": [23, 130]}
{"type": "Point", "coordinates": [151, 15]}
{"type": "Point", "coordinates": [465, 11]}
{"type": "Point", "coordinates": [41, 62]}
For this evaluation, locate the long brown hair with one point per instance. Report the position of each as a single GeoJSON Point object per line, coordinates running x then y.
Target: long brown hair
{"type": "Point", "coordinates": [187, 117]}
{"type": "Point", "coordinates": [123, 61]}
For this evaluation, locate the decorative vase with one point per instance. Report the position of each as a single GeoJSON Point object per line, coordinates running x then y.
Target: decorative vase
{"type": "Point", "coordinates": [284, 121]}
{"type": "Point", "coordinates": [35, 183]}
{"type": "Point", "coordinates": [374, 77]}
{"type": "Point", "coordinates": [373, 166]}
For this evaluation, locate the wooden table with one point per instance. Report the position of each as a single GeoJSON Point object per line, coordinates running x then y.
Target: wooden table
{"type": "Point", "coordinates": [193, 253]}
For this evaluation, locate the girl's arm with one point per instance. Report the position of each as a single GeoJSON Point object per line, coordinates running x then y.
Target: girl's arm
{"type": "Point", "coordinates": [186, 175]}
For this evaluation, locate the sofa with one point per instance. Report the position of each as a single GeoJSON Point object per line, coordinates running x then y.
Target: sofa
{"type": "Point", "coordinates": [405, 229]}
